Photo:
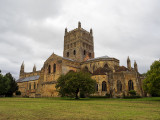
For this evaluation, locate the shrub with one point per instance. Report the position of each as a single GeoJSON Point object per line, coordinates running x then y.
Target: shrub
{"type": "Point", "coordinates": [18, 92]}
{"type": "Point", "coordinates": [132, 92]}
{"type": "Point", "coordinates": [108, 95]}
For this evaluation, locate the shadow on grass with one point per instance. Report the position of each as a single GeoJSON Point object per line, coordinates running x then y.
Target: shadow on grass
{"type": "Point", "coordinates": [107, 99]}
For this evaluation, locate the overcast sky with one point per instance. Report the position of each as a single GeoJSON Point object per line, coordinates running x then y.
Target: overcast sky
{"type": "Point", "coordinates": [31, 30]}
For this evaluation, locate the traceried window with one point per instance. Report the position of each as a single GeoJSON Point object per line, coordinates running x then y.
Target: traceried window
{"type": "Point", "coordinates": [96, 87]}
{"type": "Point", "coordinates": [104, 86]}
{"type": "Point", "coordinates": [106, 66]}
{"type": "Point", "coordinates": [34, 85]}
{"type": "Point", "coordinates": [49, 69]}
{"type": "Point", "coordinates": [130, 85]}
{"type": "Point", "coordinates": [29, 86]}
{"type": "Point", "coordinates": [54, 68]}
{"type": "Point", "coordinates": [119, 86]}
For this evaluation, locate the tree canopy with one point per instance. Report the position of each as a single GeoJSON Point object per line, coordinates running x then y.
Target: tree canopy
{"type": "Point", "coordinates": [151, 83]}
{"type": "Point", "coordinates": [8, 85]}
{"type": "Point", "coordinates": [74, 83]}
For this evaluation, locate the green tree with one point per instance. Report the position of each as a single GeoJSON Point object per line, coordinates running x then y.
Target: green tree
{"type": "Point", "coordinates": [151, 83]}
{"type": "Point", "coordinates": [11, 84]}
{"type": "Point", "coordinates": [74, 83]}
{"type": "Point", "coordinates": [8, 85]}
{"type": "Point", "coordinates": [2, 85]}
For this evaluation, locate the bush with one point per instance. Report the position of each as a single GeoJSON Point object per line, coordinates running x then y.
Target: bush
{"type": "Point", "coordinates": [18, 93]}
{"type": "Point", "coordinates": [108, 95]}
{"type": "Point", "coordinates": [132, 92]}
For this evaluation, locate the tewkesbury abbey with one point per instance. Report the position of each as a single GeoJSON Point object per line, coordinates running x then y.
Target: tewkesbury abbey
{"type": "Point", "coordinates": [78, 54]}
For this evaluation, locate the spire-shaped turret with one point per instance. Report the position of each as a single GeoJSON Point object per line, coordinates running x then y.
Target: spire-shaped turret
{"type": "Point", "coordinates": [135, 66]}
{"type": "Point", "coordinates": [128, 63]}
{"type": "Point", "coordinates": [66, 31]}
{"type": "Point", "coordinates": [22, 67]}
{"type": "Point", "coordinates": [79, 24]}
{"type": "Point", "coordinates": [34, 68]}
{"type": "Point", "coordinates": [91, 32]}
{"type": "Point", "coordinates": [22, 70]}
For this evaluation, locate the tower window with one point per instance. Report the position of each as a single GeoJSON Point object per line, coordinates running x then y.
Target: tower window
{"type": "Point", "coordinates": [89, 54]}
{"type": "Point", "coordinates": [74, 52]}
{"type": "Point", "coordinates": [83, 44]}
{"type": "Point", "coordinates": [67, 54]}
{"type": "Point", "coordinates": [68, 46]}
{"type": "Point", "coordinates": [75, 44]}
{"type": "Point", "coordinates": [87, 46]}
{"type": "Point", "coordinates": [84, 52]}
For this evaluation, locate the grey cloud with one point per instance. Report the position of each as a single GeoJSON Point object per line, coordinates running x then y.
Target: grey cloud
{"type": "Point", "coordinates": [31, 30]}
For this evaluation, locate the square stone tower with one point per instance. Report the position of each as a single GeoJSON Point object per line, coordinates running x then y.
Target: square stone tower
{"type": "Point", "coordinates": [78, 44]}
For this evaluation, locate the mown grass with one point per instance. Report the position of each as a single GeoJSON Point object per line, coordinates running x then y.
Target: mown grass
{"type": "Point", "coordinates": [83, 109]}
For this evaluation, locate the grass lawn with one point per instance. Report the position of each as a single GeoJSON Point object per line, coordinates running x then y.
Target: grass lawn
{"type": "Point", "coordinates": [83, 109]}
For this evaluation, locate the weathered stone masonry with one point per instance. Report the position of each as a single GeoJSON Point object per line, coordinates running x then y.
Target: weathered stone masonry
{"type": "Point", "coordinates": [78, 55]}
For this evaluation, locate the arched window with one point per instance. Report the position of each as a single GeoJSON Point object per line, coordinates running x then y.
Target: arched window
{"type": "Point", "coordinates": [96, 87]}
{"type": "Point", "coordinates": [34, 85]}
{"type": "Point", "coordinates": [54, 68]}
{"type": "Point", "coordinates": [130, 85]}
{"type": "Point", "coordinates": [89, 54]}
{"type": "Point", "coordinates": [29, 86]}
{"type": "Point", "coordinates": [67, 54]}
{"type": "Point", "coordinates": [74, 52]}
{"type": "Point", "coordinates": [119, 86]}
{"type": "Point", "coordinates": [93, 67]}
{"type": "Point", "coordinates": [104, 86]}
{"type": "Point", "coordinates": [84, 52]}
{"type": "Point", "coordinates": [106, 66]}
{"type": "Point", "coordinates": [49, 69]}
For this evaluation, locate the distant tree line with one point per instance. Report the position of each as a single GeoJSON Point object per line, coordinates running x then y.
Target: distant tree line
{"type": "Point", "coordinates": [8, 85]}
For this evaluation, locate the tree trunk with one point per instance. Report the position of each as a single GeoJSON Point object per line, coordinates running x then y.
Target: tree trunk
{"type": "Point", "coordinates": [77, 93]}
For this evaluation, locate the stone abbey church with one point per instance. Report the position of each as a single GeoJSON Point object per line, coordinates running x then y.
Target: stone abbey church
{"type": "Point", "coordinates": [78, 55]}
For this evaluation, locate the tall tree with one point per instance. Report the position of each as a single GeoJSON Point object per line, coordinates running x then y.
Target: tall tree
{"type": "Point", "coordinates": [74, 83]}
{"type": "Point", "coordinates": [151, 83]}
{"type": "Point", "coordinates": [2, 85]}
{"type": "Point", "coordinates": [11, 84]}
{"type": "Point", "coordinates": [8, 85]}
